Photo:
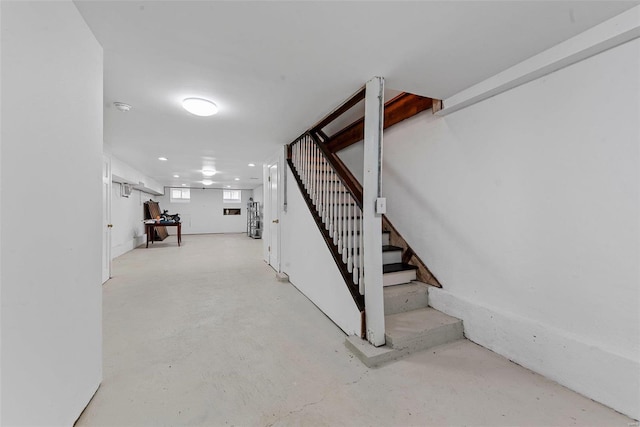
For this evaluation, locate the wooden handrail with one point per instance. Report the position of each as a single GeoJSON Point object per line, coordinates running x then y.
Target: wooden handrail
{"type": "Point", "coordinates": [340, 110]}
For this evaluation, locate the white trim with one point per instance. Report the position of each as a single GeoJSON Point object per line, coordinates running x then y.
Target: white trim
{"type": "Point", "coordinates": [569, 359]}
{"type": "Point", "coordinates": [613, 32]}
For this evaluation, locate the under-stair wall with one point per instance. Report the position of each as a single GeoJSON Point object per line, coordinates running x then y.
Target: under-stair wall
{"type": "Point", "coordinates": [526, 207]}
{"type": "Point", "coordinates": [310, 266]}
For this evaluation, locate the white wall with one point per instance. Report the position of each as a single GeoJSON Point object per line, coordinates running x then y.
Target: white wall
{"type": "Point", "coordinates": [51, 239]}
{"type": "Point", "coordinates": [123, 172]}
{"type": "Point", "coordinates": [127, 214]}
{"type": "Point", "coordinates": [526, 206]}
{"type": "Point", "coordinates": [204, 213]}
{"type": "Point", "coordinates": [309, 264]}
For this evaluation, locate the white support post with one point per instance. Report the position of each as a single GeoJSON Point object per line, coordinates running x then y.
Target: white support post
{"type": "Point", "coordinates": [372, 222]}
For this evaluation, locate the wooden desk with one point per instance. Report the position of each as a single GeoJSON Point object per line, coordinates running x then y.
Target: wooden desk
{"type": "Point", "coordinates": [150, 228]}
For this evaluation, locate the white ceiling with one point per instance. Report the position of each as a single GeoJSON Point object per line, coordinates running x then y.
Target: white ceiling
{"type": "Point", "coordinates": [276, 68]}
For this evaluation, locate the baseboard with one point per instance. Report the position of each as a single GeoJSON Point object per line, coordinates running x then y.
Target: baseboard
{"type": "Point", "coordinates": [606, 377]}
{"type": "Point", "coordinates": [127, 246]}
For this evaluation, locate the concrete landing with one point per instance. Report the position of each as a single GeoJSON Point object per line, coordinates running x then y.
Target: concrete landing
{"type": "Point", "coordinates": [421, 329]}
{"type": "Point", "coordinates": [407, 333]}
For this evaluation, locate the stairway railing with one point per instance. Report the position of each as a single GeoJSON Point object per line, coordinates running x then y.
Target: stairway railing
{"type": "Point", "coordinates": [347, 222]}
{"type": "Point", "coordinates": [335, 207]}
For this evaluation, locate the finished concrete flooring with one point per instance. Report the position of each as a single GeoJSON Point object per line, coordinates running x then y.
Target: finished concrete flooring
{"type": "Point", "coordinates": [205, 335]}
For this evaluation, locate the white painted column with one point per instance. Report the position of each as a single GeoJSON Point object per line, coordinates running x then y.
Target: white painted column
{"type": "Point", "coordinates": [372, 222]}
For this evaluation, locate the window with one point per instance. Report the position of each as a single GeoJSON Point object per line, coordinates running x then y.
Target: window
{"type": "Point", "coordinates": [231, 196]}
{"type": "Point", "coordinates": [180, 195]}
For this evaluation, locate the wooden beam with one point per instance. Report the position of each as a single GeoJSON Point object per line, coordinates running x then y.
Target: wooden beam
{"type": "Point", "coordinates": [396, 110]}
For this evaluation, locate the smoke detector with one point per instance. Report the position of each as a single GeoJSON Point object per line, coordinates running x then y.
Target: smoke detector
{"type": "Point", "coordinates": [122, 106]}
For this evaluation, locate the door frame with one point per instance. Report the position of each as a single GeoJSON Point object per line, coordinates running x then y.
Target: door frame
{"type": "Point", "coordinates": [278, 160]}
{"type": "Point", "coordinates": [106, 220]}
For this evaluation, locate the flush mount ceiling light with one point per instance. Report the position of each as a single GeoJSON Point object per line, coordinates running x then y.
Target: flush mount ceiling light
{"type": "Point", "coordinates": [164, 159]}
{"type": "Point", "coordinates": [176, 176]}
{"type": "Point", "coordinates": [122, 106]}
{"type": "Point", "coordinates": [184, 185]}
{"type": "Point", "coordinates": [237, 179]}
{"type": "Point", "coordinates": [200, 107]}
{"type": "Point", "coordinates": [208, 172]}
{"type": "Point", "coordinates": [207, 182]}
{"type": "Point", "coordinates": [228, 186]}
{"type": "Point", "coordinates": [252, 165]}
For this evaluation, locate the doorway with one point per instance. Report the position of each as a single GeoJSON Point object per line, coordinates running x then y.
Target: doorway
{"type": "Point", "coordinates": [274, 224]}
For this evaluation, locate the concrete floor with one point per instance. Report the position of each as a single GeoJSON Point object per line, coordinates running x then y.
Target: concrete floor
{"type": "Point", "coordinates": [205, 335]}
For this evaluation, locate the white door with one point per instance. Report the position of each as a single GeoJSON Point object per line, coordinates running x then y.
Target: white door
{"type": "Point", "coordinates": [106, 219]}
{"type": "Point", "coordinates": [274, 225]}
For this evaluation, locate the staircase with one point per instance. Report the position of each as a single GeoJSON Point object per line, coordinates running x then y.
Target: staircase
{"type": "Point", "coordinates": [394, 271]}
{"type": "Point", "coordinates": [410, 324]}
{"type": "Point", "coordinates": [403, 322]}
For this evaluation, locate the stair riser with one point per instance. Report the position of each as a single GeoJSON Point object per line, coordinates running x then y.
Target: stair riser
{"type": "Point", "coordinates": [434, 337]}
{"type": "Point", "coordinates": [391, 257]}
{"type": "Point", "coordinates": [397, 278]}
{"type": "Point", "coordinates": [385, 239]}
{"type": "Point", "coordinates": [404, 298]}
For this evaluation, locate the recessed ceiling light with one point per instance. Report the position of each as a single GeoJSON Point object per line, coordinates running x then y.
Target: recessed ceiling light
{"type": "Point", "coordinates": [208, 172]}
{"type": "Point", "coordinates": [252, 165]}
{"type": "Point", "coordinates": [164, 159]}
{"type": "Point", "coordinates": [184, 185]}
{"type": "Point", "coordinates": [207, 182]}
{"type": "Point", "coordinates": [122, 106]}
{"type": "Point", "coordinates": [228, 186]}
{"type": "Point", "coordinates": [176, 176]}
{"type": "Point", "coordinates": [200, 107]}
{"type": "Point", "coordinates": [237, 179]}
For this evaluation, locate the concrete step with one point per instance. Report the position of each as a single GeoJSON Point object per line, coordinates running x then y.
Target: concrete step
{"type": "Point", "coordinates": [408, 333]}
{"type": "Point", "coordinates": [398, 273]}
{"type": "Point", "coordinates": [407, 297]}
{"type": "Point", "coordinates": [420, 329]}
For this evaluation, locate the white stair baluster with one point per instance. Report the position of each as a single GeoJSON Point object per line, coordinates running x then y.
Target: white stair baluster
{"type": "Point", "coordinates": [315, 175]}
{"type": "Point", "coordinates": [325, 192]}
{"type": "Point", "coordinates": [304, 162]}
{"type": "Point", "coordinates": [311, 175]}
{"type": "Point", "coordinates": [310, 162]}
{"type": "Point", "coordinates": [338, 186]}
{"type": "Point", "coordinates": [340, 223]}
{"type": "Point", "coordinates": [348, 237]}
{"type": "Point", "coordinates": [332, 203]}
{"type": "Point", "coordinates": [356, 251]}
{"type": "Point", "coordinates": [307, 162]}
{"type": "Point", "coordinates": [361, 256]}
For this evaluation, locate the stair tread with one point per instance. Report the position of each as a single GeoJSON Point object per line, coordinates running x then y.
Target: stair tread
{"type": "Point", "coordinates": [410, 288]}
{"type": "Point", "coordinates": [414, 323]}
{"type": "Point", "coordinates": [396, 267]}
{"type": "Point", "coordinates": [390, 248]}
